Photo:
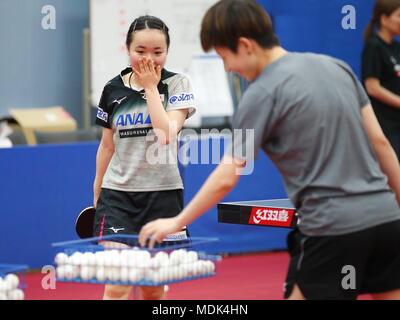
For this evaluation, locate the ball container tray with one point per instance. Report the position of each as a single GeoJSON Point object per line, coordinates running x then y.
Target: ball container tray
{"type": "Point", "coordinates": [12, 289]}
{"type": "Point", "coordinates": [119, 259]}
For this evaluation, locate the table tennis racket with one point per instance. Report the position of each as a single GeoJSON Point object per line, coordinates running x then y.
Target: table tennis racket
{"type": "Point", "coordinates": [84, 222]}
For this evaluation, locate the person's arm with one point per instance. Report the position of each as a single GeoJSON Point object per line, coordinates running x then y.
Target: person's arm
{"type": "Point", "coordinates": [103, 157]}
{"type": "Point", "coordinates": [386, 156]}
{"type": "Point", "coordinates": [166, 125]}
{"type": "Point", "coordinates": [221, 181]}
{"type": "Point", "coordinates": [375, 89]}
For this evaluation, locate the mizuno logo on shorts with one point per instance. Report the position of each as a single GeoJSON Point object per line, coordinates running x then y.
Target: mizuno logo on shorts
{"type": "Point", "coordinates": [116, 230]}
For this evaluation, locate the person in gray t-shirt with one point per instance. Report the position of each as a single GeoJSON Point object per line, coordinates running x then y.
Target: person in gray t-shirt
{"type": "Point", "coordinates": [311, 116]}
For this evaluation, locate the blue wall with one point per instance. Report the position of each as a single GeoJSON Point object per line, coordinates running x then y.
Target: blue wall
{"type": "Point", "coordinates": [41, 191]}
{"type": "Point", "coordinates": [43, 68]}
{"type": "Point", "coordinates": [316, 26]}
{"type": "Point", "coordinates": [43, 188]}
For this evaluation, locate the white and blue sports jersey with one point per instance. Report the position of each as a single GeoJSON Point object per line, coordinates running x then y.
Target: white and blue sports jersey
{"type": "Point", "coordinates": [139, 162]}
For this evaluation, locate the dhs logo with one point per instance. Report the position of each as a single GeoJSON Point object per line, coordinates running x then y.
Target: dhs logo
{"type": "Point", "coordinates": [102, 115]}
{"type": "Point", "coordinates": [182, 97]}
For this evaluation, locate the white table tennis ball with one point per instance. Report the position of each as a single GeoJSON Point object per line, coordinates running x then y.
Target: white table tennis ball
{"type": "Point", "coordinates": [168, 273]}
{"type": "Point", "coordinates": [131, 254]}
{"type": "Point", "coordinates": [116, 258]}
{"type": "Point", "coordinates": [161, 255]}
{"type": "Point", "coordinates": [60, 272]}
{"type": "Point", "coordinates": [192, 256]}
{"type": "Point", "coordinates": [132, 262]}
{"type": "Point", "coordinates": [60, 258]}
{"type": "Point", "coordinates": [145, 254]}
{"type": "Point", "coordinates": [108, 256]}
{"type": "Point", "coordinates": [185, 271]}
{"type": "Point", "coordinates": [159, 276]}
{"type": "Point", "coordinates": [100, 258]}
{"type": "Point", "coordinates": [163, 258]}
{"type": "Point", "coordinates": [84, 273]}
{"type": "Point", "coordinates": [76, 258]}
{"type": "Point", "coordinates": [2, 285]}
{"type": "Point", "coordinates": [91, 259]}
{"type": "Point", "coordinates": [196, 269]}
{"type": "Point", "coordinates": [100, 274]}
{"type": "Point", "coordinates": [154, 263]}
{"type": "Point", "coordinates": [177, 256]}
{"type": "Point", "coordinates": [87, 273]}
{"type": "Point", "coordinates": [69, 271]}
{"type": "Point", "coordinates": [124, 274]}
{"type": "Point", "coordinates": [76, 270]}
{"type": "Point", "coordinates": [149, 274]}
{"type": "Point", "coordinates": [113, 274]}
{"type": "Point", "coordinates": [174, 257]}
{"type": "Point", "coordinates": [7, 285]}
{"type": "Point", "coordinates": [124, 257]}
{"type": "Point", "coordinates": [87, 258]}
{"type": "Point", "coordinates": [164, 273]}
{"type": "Point", "coordinates": [204, 267]}
{"type": "Point", "coordinates": [16, 294]}
{"type": "Point", "coordinates": [134, 275]}
{"type": "Point", "coordinates": [13, 280]}
{"type": "Point", "coordinates": [144, 258]}
{"type": "Point", "coordinates": [210, 266]}
{"type": "Point", "coordinates": [84, 259]}
{"type": "Point", "coordinates": [174, 272]}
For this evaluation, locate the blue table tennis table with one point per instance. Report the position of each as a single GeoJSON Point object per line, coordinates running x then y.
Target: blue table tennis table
{"type": "Point", "coordinates": [271, 213]}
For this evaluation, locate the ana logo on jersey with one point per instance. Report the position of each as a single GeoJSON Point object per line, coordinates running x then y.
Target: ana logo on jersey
{"type": "Point", "coordinates": [182, 97]}
{"type": "Point", "coordinates": [132, 119]}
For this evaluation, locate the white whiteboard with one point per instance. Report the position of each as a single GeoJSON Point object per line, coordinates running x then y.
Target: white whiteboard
{"type": "Point", "coordinates": [110, 21]}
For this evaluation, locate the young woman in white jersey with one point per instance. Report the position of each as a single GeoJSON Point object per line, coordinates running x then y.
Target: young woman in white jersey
{"type": "Point", "coordinates": [141, 110]}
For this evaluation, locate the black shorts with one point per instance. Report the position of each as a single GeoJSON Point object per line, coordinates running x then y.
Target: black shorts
{"type": "Point", "coordinates": [344, 266]}
{"type": "Point", "coordinates": [120, 212]}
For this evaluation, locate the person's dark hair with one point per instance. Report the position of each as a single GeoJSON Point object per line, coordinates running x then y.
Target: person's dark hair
{"type": "Point", "coordinates": [147, 22]}
{"type": "Point", "coordinates": [228, 20]}
{"type": "Point", "coordinates": [382, 7]}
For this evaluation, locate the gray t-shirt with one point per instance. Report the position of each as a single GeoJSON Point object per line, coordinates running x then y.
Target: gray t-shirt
{"type": "Point", "coordinates": [305, 110]}
{"type": "Point", "coordinates": [139, 162]}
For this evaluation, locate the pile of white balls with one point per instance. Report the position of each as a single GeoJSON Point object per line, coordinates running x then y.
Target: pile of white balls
{"type": "Point", "coordinates": [9, 288]}
{"type": "Point", "coordinates": [132, 266]}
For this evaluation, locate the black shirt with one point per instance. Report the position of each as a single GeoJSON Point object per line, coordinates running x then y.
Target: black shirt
{"type": "Point", "coordinates": [381, 60]}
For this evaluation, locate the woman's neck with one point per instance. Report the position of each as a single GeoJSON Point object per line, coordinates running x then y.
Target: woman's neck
{"type": "Point", "coordinates": [129, 79]}
{"type": "Point", "coordinates": [385, 35]}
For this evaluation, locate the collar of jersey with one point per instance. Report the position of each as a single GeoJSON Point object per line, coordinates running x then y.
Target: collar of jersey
{"type": "Point", "coordinates": [165, 74]}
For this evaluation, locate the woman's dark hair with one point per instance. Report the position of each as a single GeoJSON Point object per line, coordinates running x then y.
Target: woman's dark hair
{"type": "Point", "coordinates": [382, 7]}
{"type": "Point", "coordinates": [228, 20]}
{"type": "Point", "coordinates": [147, 22]}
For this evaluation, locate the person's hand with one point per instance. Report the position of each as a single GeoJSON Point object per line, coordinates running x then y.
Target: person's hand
{"type": "Point", "coordinates": [148, 74]}
{"type": "Point", "coordinates": [157, 230]}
